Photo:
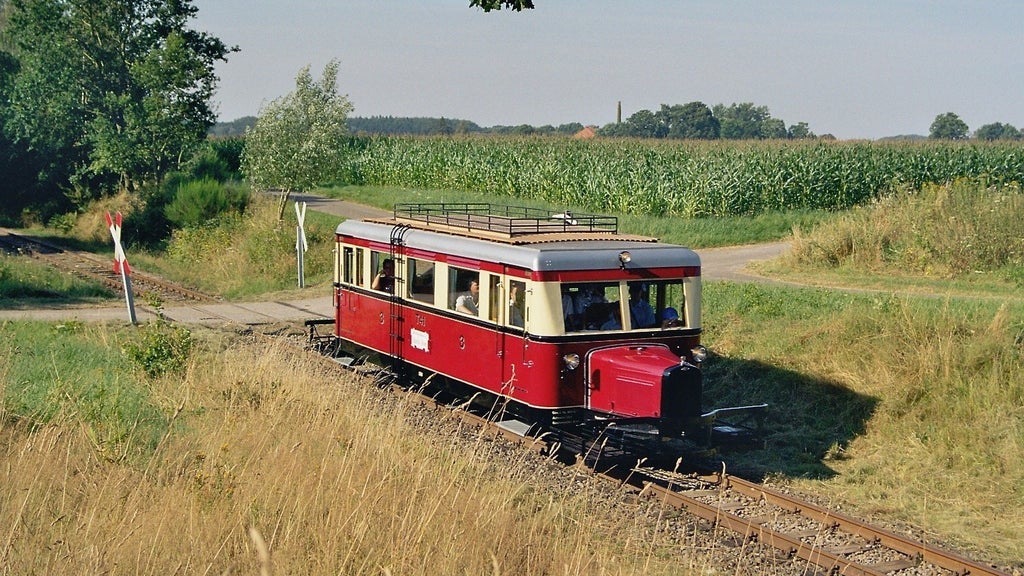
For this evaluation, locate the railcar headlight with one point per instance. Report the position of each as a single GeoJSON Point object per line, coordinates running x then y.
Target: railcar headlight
{"type": "Point", "coordinates": [572, 361]}
{"type": "Point", "coordinates": [699, 354]}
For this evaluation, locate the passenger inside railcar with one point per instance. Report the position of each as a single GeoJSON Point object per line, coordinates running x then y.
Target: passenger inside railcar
{"type": "Point", "coordinates": [670, 318]}
{"type": "Point", "coordinates": [614, 320]}
{"type": "Point", "coordinates": [640, 310]}
{"type": "Point", "coordinates": [583, 305]}
{"type": "Point", "coordinates": [516, 304]}
{"type": "Point", "coordinates": [469, 301]}
{"type": "Point", "coordinates": [385, 279]}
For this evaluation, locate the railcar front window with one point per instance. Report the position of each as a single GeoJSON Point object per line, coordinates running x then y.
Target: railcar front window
{"type": "Point", "coordinates": [650, 305]}
{"type": "Point", "coordinates": [656, 304]}
{"type": "Point", "coordinates": [591, 306]}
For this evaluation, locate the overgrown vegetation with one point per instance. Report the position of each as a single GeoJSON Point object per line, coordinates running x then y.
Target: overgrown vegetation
{"type": "Point", "coordinates": [198, 201]}
{"type": "Point", "coordinates": [75, 374]}
{"type": "Point", "coordinates": [899, 406]}
{"type": "Point", "coordinates": [160, 349]}
{"type": "Point", "coordinates": [243, 255]}
{"type": "Point", "coordinates": [24, 282]}
{"type": "Point", "coordinates": [259, 445]}
{"type": "Point", "coordinates": [960, 237]}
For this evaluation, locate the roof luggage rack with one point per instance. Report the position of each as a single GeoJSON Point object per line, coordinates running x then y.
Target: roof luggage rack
{"type": "Point", "coordinates": [509, 221]}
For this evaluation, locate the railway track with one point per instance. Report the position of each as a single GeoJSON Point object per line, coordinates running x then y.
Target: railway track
{"type": "Point", "coordinates": [814, 539]}
{"type": "Point", "coordinates": [89, 266]}
{"type": "Point", "coordinates": [799, 530]}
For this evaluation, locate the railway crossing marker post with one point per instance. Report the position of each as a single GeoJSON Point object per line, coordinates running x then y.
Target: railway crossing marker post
{"type": "Point", "coordinates": [121, 264]}
{"type": "Point", "coordinates": [300, 239]}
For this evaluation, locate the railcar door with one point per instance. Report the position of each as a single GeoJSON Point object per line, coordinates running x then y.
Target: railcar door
{"type": "Point", "coordinates": [511, 347]}
{"type": "Point", "coordinates": [351, 271]}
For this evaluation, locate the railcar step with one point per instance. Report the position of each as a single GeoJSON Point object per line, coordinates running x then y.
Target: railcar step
{"type": "Point", "coordinates": [515, 427]}
{"type": "Point", "coordinates": [345, 361]}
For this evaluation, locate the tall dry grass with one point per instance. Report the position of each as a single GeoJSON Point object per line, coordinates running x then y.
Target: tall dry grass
{"type": "Point", "coordinates": [906, 407]}
{"type": "Point", "coordinates": [275, 464]}
{"type": "Point", "coordinates": [945, 231]}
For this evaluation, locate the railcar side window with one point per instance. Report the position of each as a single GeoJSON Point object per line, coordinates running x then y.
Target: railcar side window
{"type": "Point", "coordinates": [464, 290]}
{"type": "Point", "coordinates": [383, 266]}
{"type": "Point", "coordinates": [494, 297]}
{"type": "Point", "coordinates": [348, 264]}
{"type": "Point", "coordinates": [420, 280]}
{"type": "Point", "coordinates": [352, 265]}
{"type": "Point", "coordinates": [517, 303]}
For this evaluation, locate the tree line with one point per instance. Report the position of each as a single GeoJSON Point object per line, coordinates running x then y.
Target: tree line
{"type": "Point", "coordinates": [697, 121]}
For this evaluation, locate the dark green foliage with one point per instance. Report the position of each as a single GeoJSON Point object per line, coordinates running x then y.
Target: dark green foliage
{"type": "Point", "coordinates": [232, 129]}
{"type": "Point", "coordinates": [488, 5]}
{"type": "Point", "coordinates": [197, 201]}
{"type": "Point", "coordinates": [411, 126]}
{"type": "Point", "coordinates": [948, 126]}
{"type": "Point", "coordinates": [693, 121]}
{"type": "Point", "coordinates": [218, 159]}
{"type": "Point", "coordinates": [997, 131]}
{"type": "Point", "coordinates": [111, 94]}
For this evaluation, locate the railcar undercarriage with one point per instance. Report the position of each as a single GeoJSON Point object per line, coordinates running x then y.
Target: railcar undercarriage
{"type": "Point", "coordinates": [573, 431]}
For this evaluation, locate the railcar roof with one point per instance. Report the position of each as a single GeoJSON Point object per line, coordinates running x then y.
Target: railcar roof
{"type": "Point", "coordinates": [546, 255]}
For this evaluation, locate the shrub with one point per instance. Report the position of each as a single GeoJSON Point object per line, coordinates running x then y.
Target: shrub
{"type": "Point", "coordinates": [161, 349]}
{"type": "Point", "coordinates": [198, 201]}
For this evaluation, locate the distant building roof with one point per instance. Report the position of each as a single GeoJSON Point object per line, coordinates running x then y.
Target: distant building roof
{"type": "Point", "coordinates": [588, 132]}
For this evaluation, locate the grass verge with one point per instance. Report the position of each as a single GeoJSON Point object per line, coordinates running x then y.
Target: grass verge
{"type": "Point", "coordinates": [267, 460]}
{"type": "Point", "coordinates": [25, 282]}
{"type": "Point", "coordinates": [905, 407]}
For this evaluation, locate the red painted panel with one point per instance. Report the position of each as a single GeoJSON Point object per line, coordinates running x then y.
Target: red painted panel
{"type": "Point", "coordinates": [626, 380]}
{"type": "Point", "coordinates": [606, 275]}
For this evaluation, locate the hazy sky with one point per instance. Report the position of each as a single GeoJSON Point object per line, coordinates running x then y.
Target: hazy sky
{"type": "Point", "coordinates": [851, 68]}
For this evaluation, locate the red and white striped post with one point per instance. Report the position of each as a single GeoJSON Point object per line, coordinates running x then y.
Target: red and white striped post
{"type": "Point", "coordinates": [300, 240]}
{"type": "Point", "coordinates": [121, 264]}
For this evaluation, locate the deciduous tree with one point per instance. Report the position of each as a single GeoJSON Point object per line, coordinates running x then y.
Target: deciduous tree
{"type": "Point", "coordinates": [693, 121]}
{"type": "Point", "coordinates": [948, 126]}
{"type": "Point", "coordinates": [111, 92]}
{"type": "Point", "coordinates": [997, 131]}
{"type": "Point", "coordinates": [488, 5]}
{"type": "Point", "coordinates": [298, 139]}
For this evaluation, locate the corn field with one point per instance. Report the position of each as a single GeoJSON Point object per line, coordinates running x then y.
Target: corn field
{"type": "Point", "coordinates": [687, 179]}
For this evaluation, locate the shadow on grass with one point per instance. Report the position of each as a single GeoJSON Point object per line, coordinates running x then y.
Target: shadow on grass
{"type": "Point", "coordinates": [809, 421]}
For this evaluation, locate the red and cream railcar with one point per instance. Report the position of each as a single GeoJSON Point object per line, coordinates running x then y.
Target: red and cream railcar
{"type": "Point", "coordinates": [561, 314]}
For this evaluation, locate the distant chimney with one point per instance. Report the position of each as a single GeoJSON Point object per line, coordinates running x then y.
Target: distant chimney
{"type": "Point", "coordinates": [618, 114]}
